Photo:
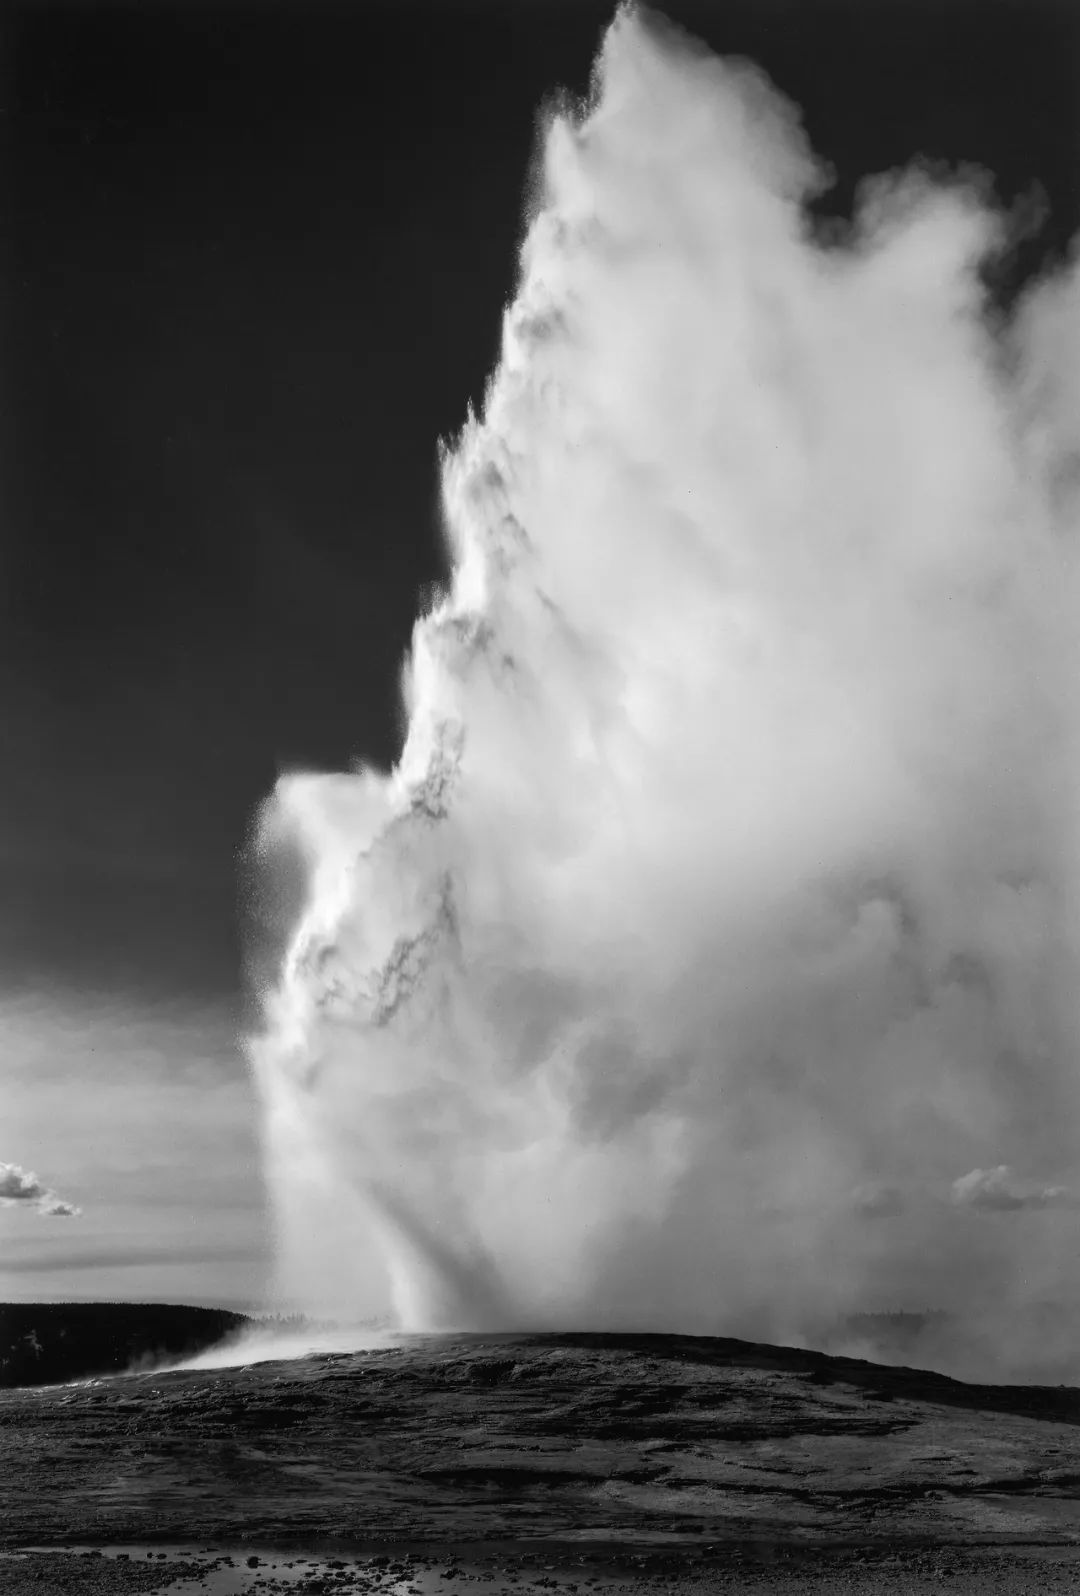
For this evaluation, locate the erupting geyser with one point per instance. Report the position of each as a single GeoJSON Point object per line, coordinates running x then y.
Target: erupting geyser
{"type": "Point", "coordinates": [709, 959]}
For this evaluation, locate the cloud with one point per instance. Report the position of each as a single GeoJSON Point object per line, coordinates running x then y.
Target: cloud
{"type": "Point", "coordinates": [997, 1191]}
{"type": "Point", "coordinates": [21, 1186]}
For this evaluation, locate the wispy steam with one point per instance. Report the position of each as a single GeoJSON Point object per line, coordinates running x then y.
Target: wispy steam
{"type": "Point", "coordinates": [725, 893]}
{"type": "Point", "coordinates": [21, 1186]}
{"type": "Point", "coordinates": [998, 1190]}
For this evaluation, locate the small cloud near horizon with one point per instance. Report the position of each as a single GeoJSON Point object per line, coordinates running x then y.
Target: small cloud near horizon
{"type": "Point", "coordinates": [19, 1186]}
{"type": "Point", "coordinates": [997, 1191]}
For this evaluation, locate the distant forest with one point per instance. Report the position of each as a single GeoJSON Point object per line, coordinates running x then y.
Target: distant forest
{"type": "Point", "coordinates": [46, 1343]}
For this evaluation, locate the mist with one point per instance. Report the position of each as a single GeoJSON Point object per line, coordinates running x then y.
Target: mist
{"type": "Point", "coordinates": [707, 960]}
{"type": "Point", "coordinates": [269, 1341]}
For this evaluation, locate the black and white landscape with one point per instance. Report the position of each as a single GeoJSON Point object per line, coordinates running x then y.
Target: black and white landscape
{"type": "Point", "coordinates": [683, 412]}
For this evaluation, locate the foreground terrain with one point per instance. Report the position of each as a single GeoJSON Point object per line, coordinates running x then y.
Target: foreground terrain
{"type": "Point", "coordinates": [555, 1461]}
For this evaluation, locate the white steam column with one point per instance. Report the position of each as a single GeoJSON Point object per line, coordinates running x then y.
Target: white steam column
{"type": "Point", "coordinates": [720, 915]}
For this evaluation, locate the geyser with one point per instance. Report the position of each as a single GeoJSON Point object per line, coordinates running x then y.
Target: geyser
{"type": "Point", "coordinates": [715, 936]}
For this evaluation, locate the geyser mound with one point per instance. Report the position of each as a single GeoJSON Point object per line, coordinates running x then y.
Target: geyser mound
{"type": "Point", "coordinates": [720, 915]}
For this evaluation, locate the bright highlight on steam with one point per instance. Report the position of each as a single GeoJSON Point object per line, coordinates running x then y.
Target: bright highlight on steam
{"type": "Point", "coordinates": [708, 960]}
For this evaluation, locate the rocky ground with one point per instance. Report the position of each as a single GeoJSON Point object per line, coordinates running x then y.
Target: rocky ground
{"type": "Point", "coordinates": [562, 1463]}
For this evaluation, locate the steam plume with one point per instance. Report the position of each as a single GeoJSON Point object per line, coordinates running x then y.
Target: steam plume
{"type": "Point", "coordinates": [721, 911]}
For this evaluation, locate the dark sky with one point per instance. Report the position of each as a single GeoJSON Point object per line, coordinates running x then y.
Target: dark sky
{"type": "Point", "coordinates": [254, 263]}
